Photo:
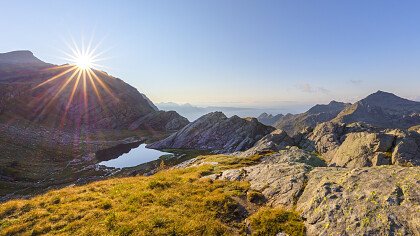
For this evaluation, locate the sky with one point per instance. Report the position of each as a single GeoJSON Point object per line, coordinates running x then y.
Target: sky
{"type": "Point", "coordinates": [233, 52]}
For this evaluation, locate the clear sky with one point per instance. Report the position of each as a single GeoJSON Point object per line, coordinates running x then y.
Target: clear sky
{"type": "Point", "coordinates": [244, 53]}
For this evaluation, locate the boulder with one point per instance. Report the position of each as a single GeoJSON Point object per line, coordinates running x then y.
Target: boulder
{"type": "Point", "coordinates": [363, 201]}
{"type": "Point", "coordinates": [294, 154]}
{"type": "Point", "coordinates": [359, 149]}
{"type": "Point", "coordinates": [281, 184]}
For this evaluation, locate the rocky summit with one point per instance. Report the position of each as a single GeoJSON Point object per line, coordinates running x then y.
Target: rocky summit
{"type": "Point", "coordinates": [382, 109]}
{"type": "Point", "coordinates": [294, 124]}
{"type": "Point", "coordinates": [215, 132]}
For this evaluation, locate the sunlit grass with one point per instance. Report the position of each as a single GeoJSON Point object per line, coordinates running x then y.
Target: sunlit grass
{"type": "Point", "coordinates": [171, 202]}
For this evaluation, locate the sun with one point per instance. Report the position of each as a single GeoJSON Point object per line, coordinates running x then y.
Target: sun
{"type": "Point", "coordinates": [84, 62]}
{"type": "Point", "coordinates": [81, 74]}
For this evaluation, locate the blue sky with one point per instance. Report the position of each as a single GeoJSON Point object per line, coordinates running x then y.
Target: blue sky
{"type": "Point", "coordinates": [234, 53]}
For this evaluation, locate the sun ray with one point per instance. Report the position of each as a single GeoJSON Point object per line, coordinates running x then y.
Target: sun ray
{"type": "Point", "coordinates": [81, 73]}
{"type": "Point", "coordinates": [56, 77]}
{"type": "Point", "coordinates": [63, 86]}
{"type": "Point", "coordinates": [76, 84]}
{"type": "Point", "coordinates": [103, 85]}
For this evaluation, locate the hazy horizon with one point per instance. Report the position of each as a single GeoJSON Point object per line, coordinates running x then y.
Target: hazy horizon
{"type": "Point", "coordinates": [267, 55]}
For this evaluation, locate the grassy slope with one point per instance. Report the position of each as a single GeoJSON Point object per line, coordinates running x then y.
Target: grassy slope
{"type": "Point", "coordinates": [172, 202]}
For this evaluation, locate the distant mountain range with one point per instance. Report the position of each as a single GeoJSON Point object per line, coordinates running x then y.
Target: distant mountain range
{"type": "Point", "coordinates": [193, 112]}
{"type": "Point", "coordinates": [380, 109]}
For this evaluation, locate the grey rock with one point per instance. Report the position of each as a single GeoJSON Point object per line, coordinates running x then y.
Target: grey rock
{"type": "Point", "coordinates": [216, 132]}
{"type": "Point", "coordinates": [359, 149]}
{"type": "Point", "coordinates": [366, 201]}
{"type": "Point", "coordinates": [275, 141]}
{"type": "Point", "coordinates": [407, 150]}
{"type": "Point", "coordinates": [294, 154]}
{"type": "Point", "coordinates": [280, 183]}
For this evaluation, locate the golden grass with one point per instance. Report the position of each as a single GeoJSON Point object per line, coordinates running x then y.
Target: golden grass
{"type": "Point", "coordinates": [175, 202]}
{"type": "Point", "coordinates": [171, 202]}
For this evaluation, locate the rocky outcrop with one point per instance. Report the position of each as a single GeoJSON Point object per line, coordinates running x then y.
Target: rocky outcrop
{"type": "Point", "coordinates": [358, 145]}
{"type": "Point", "coordinates": [367, 201]}
{"type": "Point", "coordinates": [275, 141]}
{"type": "Point", "coordinates": [364, 149]}
{"type": "Point", "coordinates": [281, 184]}
{"type": "Point", "coordinates": [269, 119]}
{"type": "Point", "coordinates": [294, 124]}
{"type": "Point", "coordinates": [280, 177]}
{"type": "Point", "coordinates": [215, 132]}
{"type": "Point", "coordinates": [294, 154]}
{"type": "Point", "coordinates": [384, 110]}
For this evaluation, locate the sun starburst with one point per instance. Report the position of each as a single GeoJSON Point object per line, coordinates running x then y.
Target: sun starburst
{"type": "Point", "coordinates": [82, 72]}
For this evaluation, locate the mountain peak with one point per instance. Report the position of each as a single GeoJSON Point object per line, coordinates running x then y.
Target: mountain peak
{"type": "Point", "coordinates": [381, 98]}
{"type": "Point", "coordinates": [20, 57]}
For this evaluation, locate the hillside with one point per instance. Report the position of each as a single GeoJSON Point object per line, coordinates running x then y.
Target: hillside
{"type": "Point", "coordinates": [52, 122]}
{"type": "Point", "coordinates": [174, 202]}
{"type": "Point", "coordinates": [58, 97]}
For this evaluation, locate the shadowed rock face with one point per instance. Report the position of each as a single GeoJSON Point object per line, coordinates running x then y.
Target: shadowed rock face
{"type": "Point", "coordinates": [384, 110]}
{"type": "Point", "coordinates": [216, 132]}
{"type": "Point", "coordinates": [294, 124]}
{"type": "Point", "coordinates": [105, 103]}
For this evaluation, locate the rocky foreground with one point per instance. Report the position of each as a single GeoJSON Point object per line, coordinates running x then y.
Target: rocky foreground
{"type": "Point", "coordinates": [350, 170]}
{"type": "Point", "coordinates": [381, 200]}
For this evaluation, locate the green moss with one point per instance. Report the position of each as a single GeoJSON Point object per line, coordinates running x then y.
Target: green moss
{"type": "Point", "coordinates": [268, 221]}
{"type": "Point", "coordinates": [255, 197]}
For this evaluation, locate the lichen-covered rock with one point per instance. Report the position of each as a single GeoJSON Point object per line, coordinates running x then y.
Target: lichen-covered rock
{"type": "Point", "coordinates": [358, 144]}
{"type": "Point", "coordinates": [294, 154]}
{"type": "Point", "coordinates": [359, 149]}
{"type": "Point", "coordinates": [216, 132]}
{"type": "Point", "coordinates": [280, 183]}
{"type": "Point", "coordinates": [363, 201]}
